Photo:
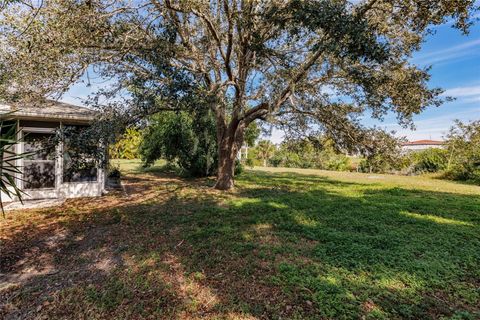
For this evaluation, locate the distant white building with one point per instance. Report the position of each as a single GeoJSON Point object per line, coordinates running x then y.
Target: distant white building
{"type": "Point", "coordinates": [420, 145]}
{"type": "Point", "coordinates": [242, 154]}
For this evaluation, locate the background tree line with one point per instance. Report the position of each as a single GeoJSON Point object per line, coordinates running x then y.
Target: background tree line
{"type": "Point", "coordinates": [459, 159]}
{"type": "Point", "coordinates": [190, 145]}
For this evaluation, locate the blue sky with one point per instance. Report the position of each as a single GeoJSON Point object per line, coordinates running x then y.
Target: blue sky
{"type": "Point", "coordinates": [455, 60]}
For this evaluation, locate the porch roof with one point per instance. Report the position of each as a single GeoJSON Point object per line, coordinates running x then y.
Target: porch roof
{"type": "Point", "coordinates": [49, 110]}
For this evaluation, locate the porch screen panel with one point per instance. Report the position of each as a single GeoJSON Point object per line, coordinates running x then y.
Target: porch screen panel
{"type": "Point", "coordinates": [79, 164]}
{"type": "Point", "coordinates": [39, 168]}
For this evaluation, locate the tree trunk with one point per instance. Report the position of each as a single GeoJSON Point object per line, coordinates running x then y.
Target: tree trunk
{"type": "Point", "coordinates": [228, 146]}
{"type": "Point", "coordinates": [226, 165]}
{"type": "Point", "coordinates": [226, 172]}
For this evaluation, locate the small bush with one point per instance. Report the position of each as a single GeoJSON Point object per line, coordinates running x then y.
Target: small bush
{"type": "Point", "coordinates": [186, 139]}
{"type": "Point", "coordinates": [127, 147]}
{"type": "Point", "coordinates": [114, 173]}
{"type": "Point", "coordinates": [238, 168]}
{"type": "Point", "coordinates": [283, 158]}
{"type": "Point", "coordinates": [383, 164]}
{"type": "Point", "coordinates": [463, 145]}
{"type": "Point", "coordinates": [430, 160]}
{"type": "Point", "coordinates": [318, 153]}
{"type": "Point", "coordinates": [249, 162]}
{"type": "Point", "coordinates": [338, 163]}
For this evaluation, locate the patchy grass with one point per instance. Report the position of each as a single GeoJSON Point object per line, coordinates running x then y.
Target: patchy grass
{"type": "Point", "coordinates": [302, 244]}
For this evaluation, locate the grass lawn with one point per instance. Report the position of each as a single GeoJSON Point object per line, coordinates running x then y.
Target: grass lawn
{"type": "Point", "coordinates": [287, 243]}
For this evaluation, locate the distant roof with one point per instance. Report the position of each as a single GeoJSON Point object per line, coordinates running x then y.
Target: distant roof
{"type": "Point", "coordinates": [49, 110]}
{"type": "Point", "coordinates": [423, 142]}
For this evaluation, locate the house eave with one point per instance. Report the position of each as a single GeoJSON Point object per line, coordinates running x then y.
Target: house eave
{"type": "Point", "coordinates": [36, 117]}
{"type": "Point", "coordinates": [50, 111]}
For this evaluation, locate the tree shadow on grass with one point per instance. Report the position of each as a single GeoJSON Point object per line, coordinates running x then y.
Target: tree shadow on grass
{"type": "Point", "coordinates": [391, 252]}
{"type": "Point", "coordinates": [283, 245]}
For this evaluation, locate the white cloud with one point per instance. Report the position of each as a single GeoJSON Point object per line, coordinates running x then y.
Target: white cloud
{"type": "Point", "coordinates": [435, 127]}
{"type": "Point", "coordinates": [461, 92]}
{"type": "Point", "coordinates": [459, 51]}
{"type": "Point", "coordinates": [475, 99]}
{"type": "Point", "coordinates": [468, 94]}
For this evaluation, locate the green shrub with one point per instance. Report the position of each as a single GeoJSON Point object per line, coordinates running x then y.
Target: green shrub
{"type": "Point", "coordinates": [377, 164]}
{"type": "Point", "coordinates": [238, 168]}
{"type": "Point", "coordinates": [463, 145]}
{"type": "Point", "coordinates": [127, 147]}
{"type": "Point", "coordinates": [286, 159]}
{"type": "Point", "coordinates": [429, 160]}
{"type": "Point", "coordinates": [464, 171]}
{"type": "Point", "coordinates": [338, 162]}
{"type": "Point", "coordinates": [249, 162]}
{"type": "Point", "coordinates": [187, 139]}
{"type": "Point", "coordinates": [382, 153]}
{"type": "Point", "coordinates": [311, 152]}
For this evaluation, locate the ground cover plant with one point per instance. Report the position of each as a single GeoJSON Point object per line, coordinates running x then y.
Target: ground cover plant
{"type": "Point", "coordinates": [287, 243]}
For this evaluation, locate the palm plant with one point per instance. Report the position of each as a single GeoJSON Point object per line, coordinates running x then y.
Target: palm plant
{"type": "Point", "coordinates": [8, 165]}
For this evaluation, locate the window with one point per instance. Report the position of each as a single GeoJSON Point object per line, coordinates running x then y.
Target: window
{"type": "Point", "coordinates": [39, 167]}
{"type": "Point", "coordinates": [79, 164]}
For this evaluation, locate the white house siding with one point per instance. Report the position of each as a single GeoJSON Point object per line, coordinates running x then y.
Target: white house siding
{"type": "Point", "coordinates": [421, 147]}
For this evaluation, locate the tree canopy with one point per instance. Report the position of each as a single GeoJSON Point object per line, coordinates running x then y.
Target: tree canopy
{"type": "Point", "coordinates": [302, 65]}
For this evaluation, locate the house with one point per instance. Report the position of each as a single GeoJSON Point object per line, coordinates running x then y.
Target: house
{"type": "Point", "coordinates": [49, 173]}
{"type": "Point", "coordinates": [420, 145]}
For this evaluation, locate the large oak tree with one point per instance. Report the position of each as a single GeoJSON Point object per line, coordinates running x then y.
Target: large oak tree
{"type": "Point", "coordinates": [299, 64]}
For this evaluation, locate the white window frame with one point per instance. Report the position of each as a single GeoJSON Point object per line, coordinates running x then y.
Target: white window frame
{"type": "Point", "coordinates": [21, 182]}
